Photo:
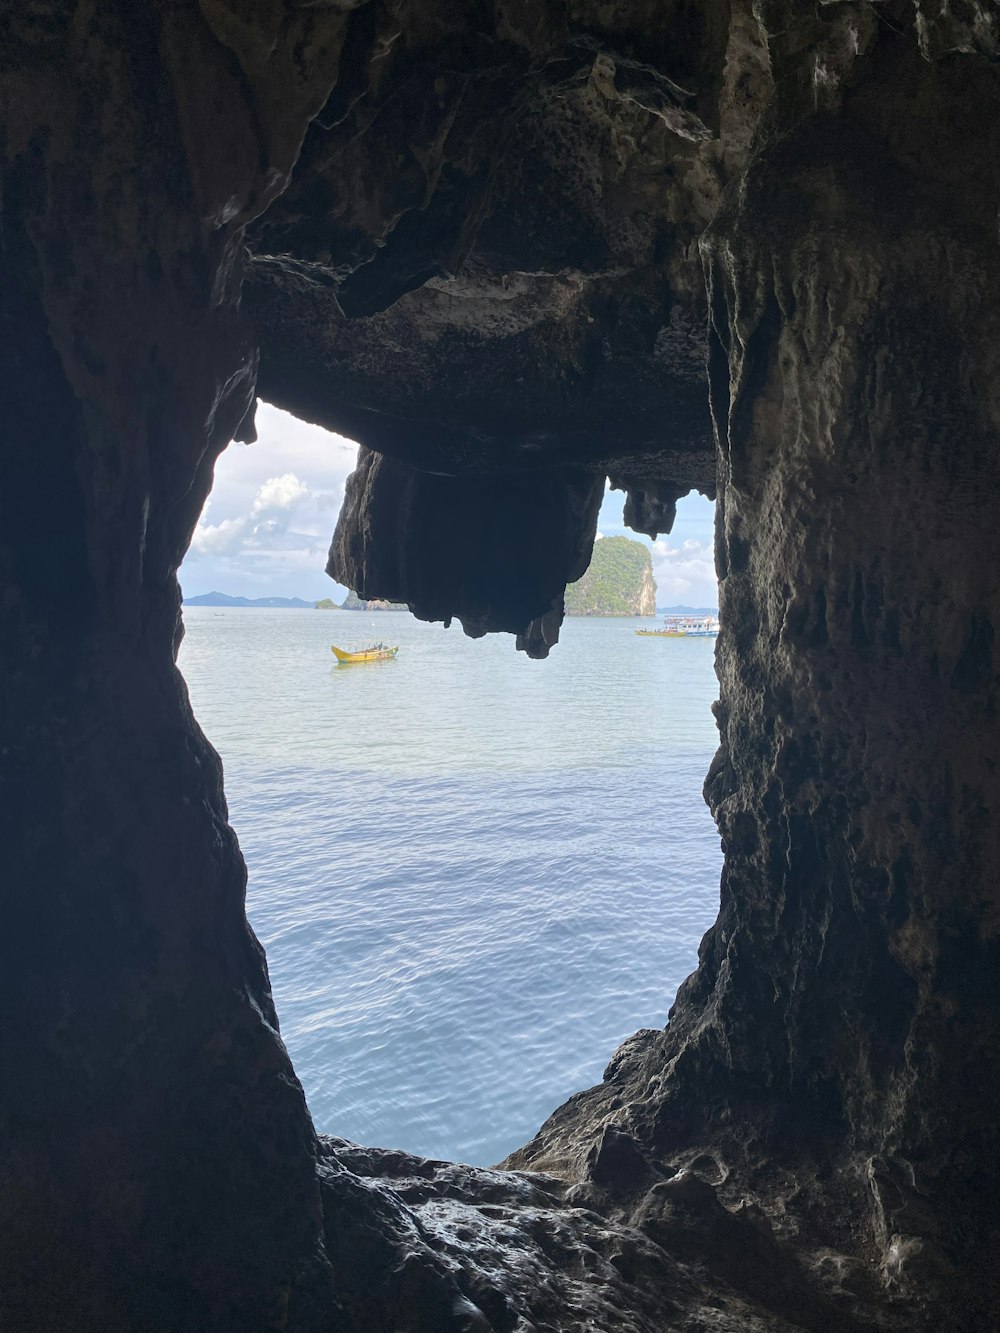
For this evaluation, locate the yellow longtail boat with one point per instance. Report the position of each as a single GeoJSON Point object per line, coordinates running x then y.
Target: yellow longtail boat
{"type": "Point", "coordinates": [378, 653]}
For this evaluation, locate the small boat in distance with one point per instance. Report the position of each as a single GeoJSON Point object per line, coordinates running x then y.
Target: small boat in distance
{"type": "Point", "coordinates": [377, 652]}
{"type": "Point", "coordinates": [684, 627]}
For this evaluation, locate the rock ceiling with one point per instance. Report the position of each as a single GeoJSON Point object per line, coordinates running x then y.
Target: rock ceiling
{"type": "Point", "coordinates": [512, 248]}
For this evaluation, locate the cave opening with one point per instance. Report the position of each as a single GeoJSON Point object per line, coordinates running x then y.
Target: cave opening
{"type": "Point", "coordinates": [474, 876]}
{"type": "Point", "coordinates": [514, 249]}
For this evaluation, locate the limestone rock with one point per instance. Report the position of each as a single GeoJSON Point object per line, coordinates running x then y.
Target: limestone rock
{"type": "Point", "coordinates": [495, 553]}
{"type": "Point", "coordinates": [745, 247]}
{"type": "Point", "coordinates": [618, 581]}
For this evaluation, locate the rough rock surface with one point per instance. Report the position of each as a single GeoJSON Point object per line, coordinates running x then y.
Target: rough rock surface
{"type": "Point", "coordinates": [830, 1053]}
{"type": "Point", "coordinates": [497, 244]}
{"type": "Point", "coordinates": [452, 553]}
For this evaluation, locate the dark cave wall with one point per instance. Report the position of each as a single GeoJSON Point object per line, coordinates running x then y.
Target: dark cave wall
{"type": "Point", "coordinates": [858, 556]}
{"type": "Point", "coordinates": [815, 186]}
{"type": "Point", "coordinates": [835, 1041]}
{"type": "Point", "coordinates": [159, 1162]}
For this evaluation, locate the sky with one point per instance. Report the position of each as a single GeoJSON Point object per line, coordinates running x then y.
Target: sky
{"type": "Point", "coordinates": [266, 528]}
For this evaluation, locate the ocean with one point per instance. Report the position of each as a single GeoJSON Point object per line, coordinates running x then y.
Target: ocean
{"type": "Point", "coordinates": [474, 874]}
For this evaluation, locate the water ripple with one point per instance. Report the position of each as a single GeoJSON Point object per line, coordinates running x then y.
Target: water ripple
{"type": "Point", "coordinates": [474, 875]}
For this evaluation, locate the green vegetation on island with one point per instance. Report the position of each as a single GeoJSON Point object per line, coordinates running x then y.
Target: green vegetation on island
{"type": "Point", "coordinates": [327, 604]}
{"type": "Point", "coordinates": [618, 582]}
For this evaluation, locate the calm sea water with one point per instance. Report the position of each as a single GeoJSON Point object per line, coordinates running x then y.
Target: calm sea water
{"type": "Point", "coordinates": [474, 875]}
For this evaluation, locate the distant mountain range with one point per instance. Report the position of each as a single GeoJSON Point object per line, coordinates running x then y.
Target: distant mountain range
{"type": "Point", "coordinates": [352, 603]}
{"type": "Point", "coordinates": [223, 599]}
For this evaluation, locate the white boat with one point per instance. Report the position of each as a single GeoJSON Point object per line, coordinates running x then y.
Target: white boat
{"type": "Point", "coordinates": [684, 627]}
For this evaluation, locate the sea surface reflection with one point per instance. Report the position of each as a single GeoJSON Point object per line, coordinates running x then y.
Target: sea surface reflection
{"type": "Point", "coordinates": [474, 875]}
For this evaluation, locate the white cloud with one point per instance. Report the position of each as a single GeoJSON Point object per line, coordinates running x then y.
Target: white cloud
{"type": "Point", "coordinates": [685, 574]}
{"type": "Point", "coordinates": [279, 493]}
{"type": "Point", "coordinates": [266, 524]}
{"type": "Point", "coordinates": [273, 507]}
{"type": "Point", "coordinates": [218, 538]}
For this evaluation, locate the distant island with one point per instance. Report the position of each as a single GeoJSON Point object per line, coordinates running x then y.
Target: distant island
{"type": "Point", "coordinates": [223, 599]}
{"type": "Point", "coordinates": [352, 602]}
{"type": "Point", "coordinates": [618, 582]}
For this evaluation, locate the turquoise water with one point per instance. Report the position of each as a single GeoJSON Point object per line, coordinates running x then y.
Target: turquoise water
{"type": "Point", "coordinates": [474, 874]}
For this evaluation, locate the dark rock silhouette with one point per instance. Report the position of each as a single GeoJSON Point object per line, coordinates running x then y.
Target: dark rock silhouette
{"type": "Point", "coordinates": [513, 250]}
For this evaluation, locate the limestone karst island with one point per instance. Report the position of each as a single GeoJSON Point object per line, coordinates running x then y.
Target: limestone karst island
{"type": "Point", "coordinates": [500, 254]}
{"type": "Point", "coordinates": [618, 582]}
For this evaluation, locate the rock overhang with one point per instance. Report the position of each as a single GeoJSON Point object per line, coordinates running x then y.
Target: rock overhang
{"type": "Point", "coordinates": [522, 292]}
{"type": "Point", "coordinates": [491, 195]}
